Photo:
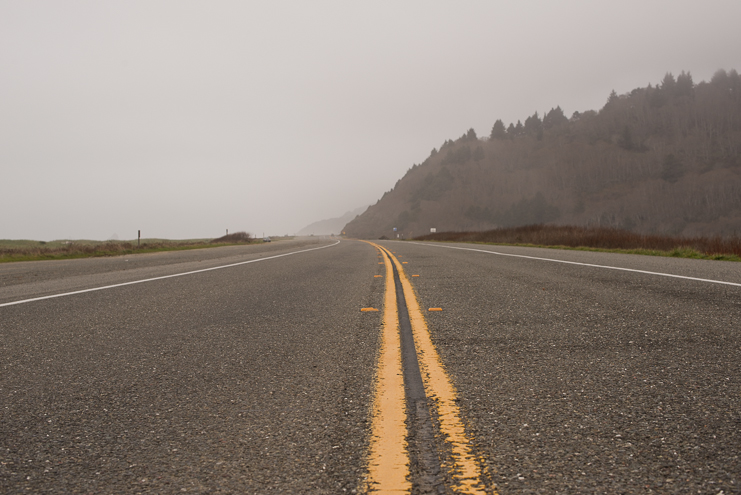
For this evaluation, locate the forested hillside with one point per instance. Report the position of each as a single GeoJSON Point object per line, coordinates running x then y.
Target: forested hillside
{"type": "Point", "coordinates": [660, 159]}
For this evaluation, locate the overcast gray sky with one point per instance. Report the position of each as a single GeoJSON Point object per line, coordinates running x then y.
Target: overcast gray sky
{"type": "Point", "coordinates": [184, 118]}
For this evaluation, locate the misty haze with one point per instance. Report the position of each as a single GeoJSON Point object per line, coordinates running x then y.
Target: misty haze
{"type": "Point", "coordinates": [183, 120]}
{"type": "Point", "coordinates": [335, 247]}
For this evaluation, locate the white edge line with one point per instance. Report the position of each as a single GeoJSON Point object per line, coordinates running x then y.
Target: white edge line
{"type": "Point", "coordinates": [583, 264]}
{"type": "Point", "coordinates": [163, 277]}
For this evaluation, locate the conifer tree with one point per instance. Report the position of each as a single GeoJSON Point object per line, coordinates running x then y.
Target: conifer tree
{"type": "Point", "coordinates": [612, 98]}
{"type": "Point", "coordinates": [534, 127]}
{"type": "Point", "coordinates": [498, 131]}
{"type": "Point", "coordinates": [684, 85]}
{"type": "Point", "coordinates": [554, 118]}
{"type": "Point", "coordinates": [519, 129]}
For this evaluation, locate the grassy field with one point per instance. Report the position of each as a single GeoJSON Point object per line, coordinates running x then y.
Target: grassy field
{"type": "Point", "coordinates": [27, 250]}
{"type": "Point", "coordinates": [601, 239]}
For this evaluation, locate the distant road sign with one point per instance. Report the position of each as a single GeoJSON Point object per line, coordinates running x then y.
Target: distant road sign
{"type": "Point", "coordinates": [433, 230]}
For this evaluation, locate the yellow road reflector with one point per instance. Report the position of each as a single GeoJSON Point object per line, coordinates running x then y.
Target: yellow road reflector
{"type": "Point", "coordinates": [377, 276]}
{"type": "Point", "coordinates": [380, 262]}
{"type": "Point", "coordinates": [435, 309]}
{"type": "Point", "coordinates": [405, 262]}
{"type": "Point", "coordinates": [368, 309]}
{"type": "Point", "coordinates": [415, 275]}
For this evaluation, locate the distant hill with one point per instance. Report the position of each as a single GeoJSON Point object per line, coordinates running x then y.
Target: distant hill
{"type": "Point", "coordinates": [660, 159]}
{"type": "Point", "coordinates": [331, 225]}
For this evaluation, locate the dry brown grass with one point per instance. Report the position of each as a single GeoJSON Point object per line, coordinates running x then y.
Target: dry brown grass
{"type": "Point", "coordinates": [599, 238]}
{"type": "Point", "coordinates": [31, 250]}
{"type": "Point", "coordinates": [68, 250]}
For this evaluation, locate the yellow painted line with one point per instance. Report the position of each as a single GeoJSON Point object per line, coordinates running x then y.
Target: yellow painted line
{"type": "Point", "coordinates": [435, 309]}
{"type": "Point", "coordinates": [377, 276]}
{"type": "Point", "coordinates": [368, 309]}
{"type": "Point", "coordinates": [405, 262]}
{"type": "Point", "coordinates": [415, 275]}
{"type": "Point", "coordinates": [388, 460]}
{"type": "Point", "coordinates": [465, 468]}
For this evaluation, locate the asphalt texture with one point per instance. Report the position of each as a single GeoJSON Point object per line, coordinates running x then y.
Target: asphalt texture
{"type": "Point", "coordinates": [258, 378]}
{"type": "Point", "coordinates": [423, 445]}
{"type": "Point", "coordinates": [576, 379]}
{"type": "Point", "coordinates": [249, 379]}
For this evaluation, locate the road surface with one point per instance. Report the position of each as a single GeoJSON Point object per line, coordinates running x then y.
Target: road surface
{"type": "Point", "coordinates": [254, 369]}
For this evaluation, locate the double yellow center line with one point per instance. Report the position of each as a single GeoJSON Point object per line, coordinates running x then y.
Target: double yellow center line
{"type": "Point", "coordinates": [388, 462]}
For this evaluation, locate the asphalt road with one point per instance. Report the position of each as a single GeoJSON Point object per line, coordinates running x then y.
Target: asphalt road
{"type": "Point", "coordinates": [577, 379]}
{"type": "Point", "coordinates": [248, 379]}
{"type": "Point", "coordinates": [258, 377]}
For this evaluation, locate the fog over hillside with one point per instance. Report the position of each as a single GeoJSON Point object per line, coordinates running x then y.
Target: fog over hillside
{"type": "Point", "coordinates": [185, 118]}
{"type": "Point", "coordinates": [331, 225]}
{"type": "Point", "coordinates": [665, 158]}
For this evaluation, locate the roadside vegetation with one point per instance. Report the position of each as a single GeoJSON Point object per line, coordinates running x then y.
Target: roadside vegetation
{"type": "Point", "coordinates": [26, 250]}
{"type": "Point", "coordinates": [601, 239]}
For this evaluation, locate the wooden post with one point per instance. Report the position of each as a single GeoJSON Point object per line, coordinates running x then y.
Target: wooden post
{"type": "Point", "coordinates": [138, 238]}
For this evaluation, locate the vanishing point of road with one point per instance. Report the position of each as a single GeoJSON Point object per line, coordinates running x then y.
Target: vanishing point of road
{"type": "Point", "coordinates": [326, 366]}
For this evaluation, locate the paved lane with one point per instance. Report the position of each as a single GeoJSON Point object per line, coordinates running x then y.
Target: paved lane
{"type": "Point", "coordinates": [250, 379]}
{"type": "Point", "coordinates": [24, 280]}
{"type": "Point", "coordinates": [578, 379]}
{"type": "Point", "coordinates": [260, 377]}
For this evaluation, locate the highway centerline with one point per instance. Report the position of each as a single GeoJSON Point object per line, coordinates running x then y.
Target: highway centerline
{"type": "Point", "coordinates": [463, 467]}
{"type": "Point", "coordinates": [608, 267]}
{"type": "Point", "coordinates": [423, 450]}
{"type": "Point", "coordinates": [388, 460]}
{"type": "Point", "coordinates": [63, 294]}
